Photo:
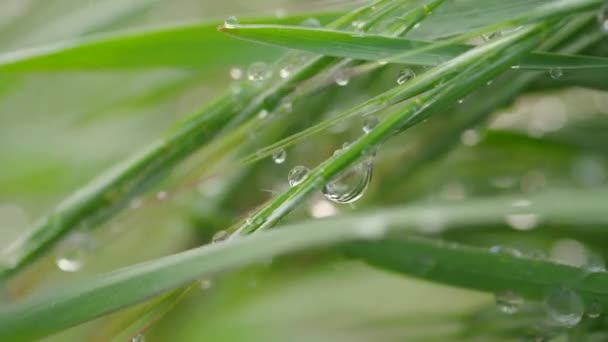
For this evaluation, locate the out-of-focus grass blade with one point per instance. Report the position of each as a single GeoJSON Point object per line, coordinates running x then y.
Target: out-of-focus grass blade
{"type": "Point", "coordinates": [195, 46]}
{"type": "Point", "coordinates": [67, 306]}
{"type": "Point", "coordinates": [379, 48]}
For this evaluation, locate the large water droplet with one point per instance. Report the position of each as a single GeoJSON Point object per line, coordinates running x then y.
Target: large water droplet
{"type": "Point", "coordinates": [369, 123]}
{"type": "Point", "coordinates": [311, 22]}
{"type": "Point", "coordinates": [505, 251]}
{"type": "Point", "coordinates": [509, 302]}
{"type": "Point", "coordinates": [602, 18]}
{"type": "Point", "coordinates": [231, 22]}
{"type": "Point", "coordinates": [405, 75]}
{"type": "Point", "coordinates": [556, 73]}
{"type": "Point", "coordinates": [297, 175]}
{"type": "Point", "coordinates": [564, 306]}
{"type": "Point", "coordinates": [258, 72]}
{"type": "Point", "coordinates": [279, 156]}
{"type": "Point", "coordinates": [350, 185]}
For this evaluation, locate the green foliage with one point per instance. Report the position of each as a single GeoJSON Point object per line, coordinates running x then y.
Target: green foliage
{"type": "Point", "coordinates": [483, 130]}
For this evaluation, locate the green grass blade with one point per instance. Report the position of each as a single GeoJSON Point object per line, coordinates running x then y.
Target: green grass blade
{"type": "Point", "coordinates": [379, 48]}
{"type": "Point", "coordinates": [112, 191]}
{"type": "Point", "coordinates": [67, 306]}
{"type": "Point", "coordinates": [182, 46]}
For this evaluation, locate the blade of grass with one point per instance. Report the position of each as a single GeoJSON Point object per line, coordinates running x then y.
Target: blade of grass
{"type": "Point", "coordinates": [50, 312]}
{"type": "Point", "coordinates": [410, 113]}
{"type": "Point", "coordinates": [378, 48]}
{"type": "Point", "coordinates": [112, 191]}
{"type": "Point", "coordinates": [183, 46]}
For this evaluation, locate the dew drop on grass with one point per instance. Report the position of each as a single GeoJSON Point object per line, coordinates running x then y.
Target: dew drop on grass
{"type": "Point", "coordinates": [162, 195]}
{"type": "Point", "coordinates": [311, 22]}
{"type": "Point", "coordinates": [138, 338]}
{"type": "Point", "coordinates": [350, 185]}
{"type": "Point", "coordinates": [263, 114]}
{"type": "Point", "coordinates": [470, 137]}
{"type": "Point", "coordinates": [258, 72]}
{"type": "Point", "coordinates": [594, 310]}
{"type": "Point", "coordinates": [522, 221]}
{"type": "Point", "coordinates": [358, 25]}
{"type": "Point", "coordinates": [297, 175]}
{"type": "Point", "coordinates": [231, 22]}
{"type": "Point", "coordinates": [505, 251]}
{"type": "Point", "coordinates": [509, 302]}
{"type": "Point", "coordinates": [279, 156]}
{"type": "Point", "coordinates": [341, 78]}
{"type": "Point", "coordinates": [602, 18]}
{"type": "Point", "coordinates": [205, 284]}
{"type": "Point", "coordinates": [594, 263]}
{"type": "Point", "coordinates": [405, 76]}
{"type": "Point", "coordinates": [489, 36]}
{"type": "Point", "coordinates": [73, 253]}
{"type": "Point", "coordinates": [564, 306]}
{"type": "Point", "coordinates": [236, 73]}
{"type": "Point", "coordinates": [556, 73]}
{"type": "Point", "coordinates": [369, 123]}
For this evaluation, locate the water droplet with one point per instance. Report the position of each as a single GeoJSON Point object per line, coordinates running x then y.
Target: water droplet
{"type": "Point", "coordinates": [311, 22]}
{"type": "Point", "coordinates": [556, 73]}
{"type": "Point", "coordinates": [350, 185]}
{"type": "Point", "coordinates": [358, 25]}
{"type": "Point", "coordinates": [416, 26]}
{"type": "Point", "coordinates": [470, 137]}
{"type": "Point", "coordinates": [569, 252]}
{"type": "Point", "coordinates": [525, 221]}
{"type": "Point", "coordinates": [162, 195]}
{"type": "Point", "coordinates": [206, 284]}
{"type": "Point", "coordinates": [71, 260]}
{"type": "Point", "coordinates": [258, 72]}
{"type": "Point", "coordinates": [297, 175]}
{"type": "Point", "coordinates": [594, 310]}
{"type": "Point", "coordinates": [231, 22]}
{"type": "Point", "coordinates": [602, 18]}
{"type": "Point", "coordinates": [490, 82]}
{"type": "Point", "coordinates": [564, 306]}
{"type": "Point", "coordinates": [279, 156]}
{"type": "Point", "coordinates": [322, 208]}
{"type": "Point", "coordinates": [138, 338]}
{"type": "Point", "coordinates": [509, 302]}
{"type": "Point", "coordinates": [220, 236]}
{"type": "Point", "coordinates": [505, 251]}
{"type": "Point", "coordinates": [405, 75]}
{"type": "Point", "coordinates": [341, 77]}
{"type": "Point", "coordinates": [236, 74]}
{"type": "Point", "coordinates": [594, 263]}
{"type": "Point", "coordinates": [461, 101]}
{"type": "Point", "coordinates": [369, 123]}
{"type": "Point", "coordinates": [73, 252]}
{"type": "Point", "coordinates": [263, 114]}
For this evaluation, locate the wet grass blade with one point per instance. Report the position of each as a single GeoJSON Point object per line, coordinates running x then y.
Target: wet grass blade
{"type": "Point", "coordinates": [183, 46]}
{"type": "Point", "coordinates": [382, 48]}
{"type": "Point", "coordinates": [58, 309]}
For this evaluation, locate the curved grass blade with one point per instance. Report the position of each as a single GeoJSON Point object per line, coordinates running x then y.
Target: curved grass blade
{"type": "Point", "coordinates": [183, 46]}
{"type": "Point", "coordinates": [380, 48]}
{"type": "Point", "coordinates": [50, 312]}
{"type": "Point", "coordinates": [112, 191]}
